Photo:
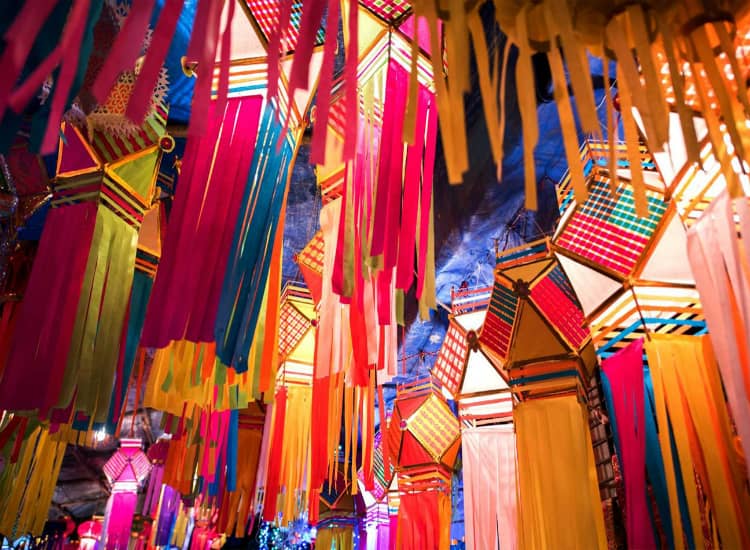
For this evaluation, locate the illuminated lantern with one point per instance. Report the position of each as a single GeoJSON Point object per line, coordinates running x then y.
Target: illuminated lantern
{"type": "Point", "coordinates": [342, 508]}
{"type": "Point", "coordinates": [125, 471]}
{"type": "Point", "coordinates": [89, 533]}
{"type": "Point", "coordinates": [424, 439]}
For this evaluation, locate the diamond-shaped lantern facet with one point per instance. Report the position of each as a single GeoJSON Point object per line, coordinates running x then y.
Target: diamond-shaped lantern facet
{"type": "Point", "coordinates": [296, 336]}
{"type": "Point", "coordinates": [628, 271]}
{"type": "Point", "coordinates": [535, 329]}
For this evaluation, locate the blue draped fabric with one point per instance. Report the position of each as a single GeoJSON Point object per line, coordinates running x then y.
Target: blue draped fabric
{"type": "Point", "coordinates": [250, 258]}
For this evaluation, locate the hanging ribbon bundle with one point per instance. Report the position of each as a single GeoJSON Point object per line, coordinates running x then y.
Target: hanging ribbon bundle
{"type": "Point", "coordinates": [34, 458]}
{"type": "Point", "coordinates": [556, 429]}
{"type": "Point", "coordinates": [489, 453]}
{"type": "Point", "coordinates": [146, 260]}
{"type": "Point", "coordinates": [184, 300]}
{"type": "Point", "coordinates": [253, 242]}
{"type": "Point", "coordinates": [719, 256]}
{"type": "Point", "coordinates": [624, 372]}
{"type": "Point", "coordinates": [687, 387]}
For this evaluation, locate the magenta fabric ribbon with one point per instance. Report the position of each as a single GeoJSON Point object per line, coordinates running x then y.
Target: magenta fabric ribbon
{"type": "Point", "coordinates": [624, 371]}
{"type": "Point", "coordinates": [39, 351]}
{"type": "Point", "coordinates": [187, 288]}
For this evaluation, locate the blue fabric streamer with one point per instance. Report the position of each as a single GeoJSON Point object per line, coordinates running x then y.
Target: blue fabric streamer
{"type": "Point", "coordinates": [234, 424]}
{"type": "Point", "coordinates": [139, 295]}
{"type": "Point", "coordinates": [250, 259]}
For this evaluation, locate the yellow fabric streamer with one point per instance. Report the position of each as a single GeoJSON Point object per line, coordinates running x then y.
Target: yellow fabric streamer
{"type": "Point", "coordinates": [26, 487]}
{"type": "Point", "coordinates": [340, 538]}
{"type": "Point", "coordinates": [686, 379]}
{"type": "Point", "coordinates": [559, 503]}
{"type": "Point", "coordinates": [295, 454]}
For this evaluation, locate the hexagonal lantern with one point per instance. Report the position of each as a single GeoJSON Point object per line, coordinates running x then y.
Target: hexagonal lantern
{"type": "Point", "coordinates": [464, 369]}
{"type": "Point", "coordinates": [342, 508]}
{"type": "Point", "coordinates": [535, 330]}
{"type": "Point", "coordinates": [629, 272]}
{"type": "Point", "coordinates": [424, 439]}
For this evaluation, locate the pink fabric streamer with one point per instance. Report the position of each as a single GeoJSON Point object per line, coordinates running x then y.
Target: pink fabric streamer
{"type": "Point", "coordinates": [390, 174]}
{"type": "Point", "coordinates": [625, 373]}
{"type": "Point", "coordinates": [187, 287]}
{"type": "Point", "coordinates": [350, 75]}
{"type": "Point", "coordinates": [140, 100]}
{"type": "Point", "coordinates": [72, 38]}
{"type": "Point", "coordinates": [274, 46]}
{"type": "Point", "coordinates": [490, 510]}
{"type": "Point", "coordinates": [125, 49]}
{"type": "Point", "coordinates": [318, 145]}
{"type": "Point", "coordinates": [45, 322]}
{"type": "Point", "coordinates": [410, 205]}
{"type": "Point", "coordinates": [121, 507]}
{"type": "Point", "coordinates": [19, 39]}
{"type": "Point", "coordinates": [203, 44]}
{"type": "Point", "coordinates": [719, 260]}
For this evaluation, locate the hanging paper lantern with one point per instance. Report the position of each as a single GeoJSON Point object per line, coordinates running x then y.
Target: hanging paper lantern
{"type": "Point", "coordinates": [125, 471]}
{"type": "Point", "coordinates": [535, 330]}
{"type": "Point", "coordinates": [628, 271]}
{"type": "Point", "coordinates": [89, 533]}
{"type": "Point", "coordinates": [423, 439]}
{"type": "Point", "coordinates": [310, 262]}
{"type": "Point", "coordinates": [102, 191]}
{"type": "Point", "coordinates": [296, 337]}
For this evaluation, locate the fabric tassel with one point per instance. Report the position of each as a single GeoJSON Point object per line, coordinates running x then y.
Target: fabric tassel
{"type": "Point", "coordinates": [318, 144]}
{"type": "Point", "coordinates": [690, 385]}
{"type": "Point", "coordinates": [185, 300]}
{"type": "Point", "coordinates": [489, 452]}
{"type": "Point", "coordinates": [567, 121]}
{"type": "Point", "coordinates": [567, 497]}
{"type": "Point", "coordinates": [632, 142]}
{"type": "Point", "coordinates": [527, 107]}
{"type": "Point", "coordinates": [624, 371]}
{"type": "Point", "coordinates": [252, 246]}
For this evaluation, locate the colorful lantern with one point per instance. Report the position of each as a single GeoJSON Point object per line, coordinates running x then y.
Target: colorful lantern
{"type": "Point", "coordinates": [627, 270]}
{"type": "Point", "coordinates": [125, 471]}
{"type": "Point", "coordinates": [423, 439]}
{"type": "Point", "coordinates": [90, 532]}
{"type": "Point", "coordinates": [535, 329]}
{"type": "Point", "coordinates": [102, 191]}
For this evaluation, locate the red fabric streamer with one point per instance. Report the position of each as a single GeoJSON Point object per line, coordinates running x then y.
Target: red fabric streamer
{"type": "Point", "coordinates": [202, 48]}
{"type": "Point", "coordinates": [625, 373]}
{"type": "Point", "coordinates": [410, 206]}
{"type": "Point", "coordinates": [125, 48]}
{"type": "Point", "coordinates": [274, 47]}
{"type": "Point", "coordinates": [318, 145]}
{"type": "Point", "coordinates": [19, 39]}
{"type": "Point", "coordinates": [140, 100]}
{"type": "Point", "coordinates": [186, 293]}
{"type": "Point", "coordinates": [274, 459]}
{"type": "Point", "coordinates": [45, 322]}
